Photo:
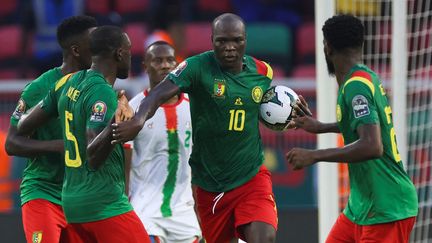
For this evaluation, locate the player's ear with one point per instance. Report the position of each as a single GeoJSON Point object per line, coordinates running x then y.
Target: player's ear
{"type": "Point", "coordinates": [74, 50]}
{"type": "Point", "coordinates": [119, 54]}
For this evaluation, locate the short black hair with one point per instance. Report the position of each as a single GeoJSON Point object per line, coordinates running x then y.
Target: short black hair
{"type": "Point", "coordinates": [73, 26]}
{"type": "Point", "coordinates": [158, 43]}
{"type": "Point", "coordinates": [343, 31]}
{"type": "Point", "coordinates": [105, 39]}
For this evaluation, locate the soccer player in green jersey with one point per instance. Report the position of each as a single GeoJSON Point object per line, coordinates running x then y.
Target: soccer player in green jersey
{"type": "Point", "coordinates": [383, 202]}
{"type": "Point", "coordinates": [233, 190]}
{"type": "Point", "coordinates": [42, 181]}
{"type": "Point", "coordinates": [93, 196]}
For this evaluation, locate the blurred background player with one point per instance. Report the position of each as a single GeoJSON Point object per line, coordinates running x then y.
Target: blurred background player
{"type": "Point", "coordinates": [382, 205]}
{"type": "Point", "coordinates": [94, 199]}
{"type": "Point", "coordinates": [42, 181]}
{"type": "Point", "coordinates": [160, 187]}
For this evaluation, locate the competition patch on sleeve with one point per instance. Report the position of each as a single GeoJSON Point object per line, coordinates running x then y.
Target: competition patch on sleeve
{"type": "Point", "coordinates": [360, 106]}
{"type": "Point", "coordinates": [98, 112]}
{"type": "Point", "coordinates": [20, 109]}
{"type": "Point", "coordinates": [179, 69]}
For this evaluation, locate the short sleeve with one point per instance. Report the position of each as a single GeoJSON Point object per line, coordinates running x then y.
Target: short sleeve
{"type": "Point", "coordinates": [29, 97]}
{"type": "Point", "coordinates": [100, 106]}
{"type": "Point", "coordinates": [186, 74]}
{"type": "Point", "coordinates": [49, 103]}
{"type": "Point", "coordinates": [358, 97]}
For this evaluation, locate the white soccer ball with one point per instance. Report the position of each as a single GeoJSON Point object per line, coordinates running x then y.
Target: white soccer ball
{"type": "Point", "coordinates": [277, 107]}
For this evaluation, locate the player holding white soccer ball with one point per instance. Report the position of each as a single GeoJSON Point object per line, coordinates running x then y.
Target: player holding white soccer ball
{"type": "Point", "coordinates": [279, 105]}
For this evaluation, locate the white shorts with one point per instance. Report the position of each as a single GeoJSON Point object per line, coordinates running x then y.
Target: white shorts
{"type": "Point", "coordinates": [179, 228]}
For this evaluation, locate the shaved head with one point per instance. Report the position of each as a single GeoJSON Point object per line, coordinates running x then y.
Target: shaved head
{"type": "Point", "coordinates": [228, 20]}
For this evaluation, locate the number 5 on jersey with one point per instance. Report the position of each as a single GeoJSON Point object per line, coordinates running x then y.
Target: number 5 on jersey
{"type": "Point", "coordinates": [70, 137]}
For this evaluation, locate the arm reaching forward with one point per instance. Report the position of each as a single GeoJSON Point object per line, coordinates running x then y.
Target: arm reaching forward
{"type": "Point", "coordinates": [126, 131]}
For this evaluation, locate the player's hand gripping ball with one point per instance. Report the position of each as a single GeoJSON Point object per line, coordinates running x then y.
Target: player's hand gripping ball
{"type": "Point", "coordinates": [277, 107]}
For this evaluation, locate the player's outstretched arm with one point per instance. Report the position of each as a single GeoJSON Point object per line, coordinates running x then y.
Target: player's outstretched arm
{"type": "Point", "coordinates": [18, 142]}
{"type": "Point", "coordinates": [368, 146]}
{"type": "Point", "coordinates": [126, 131]}
{"type": "Point", "coordinates": [310, 124]}
{"type": "Point", "coordinates": [32, 120]}
{"type": "Point", "coordinates": [19, 145]}
{"type": "Point", "coordinates": [99, 146]}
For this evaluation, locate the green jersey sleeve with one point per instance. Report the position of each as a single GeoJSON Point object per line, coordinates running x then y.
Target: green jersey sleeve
{"type": "Point", "coordinates": [186, 74]}
{"type": "Point", "coordinates": [49, 103]}
{"type": "Point", "coordinates": [358, 97]}
{"type": "Point", "coordinates": [100, 106]}
{"type": "Point", "coordinates": [30, 96]}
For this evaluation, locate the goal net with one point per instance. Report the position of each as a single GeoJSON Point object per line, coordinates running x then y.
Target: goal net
{"type": "Point", "coordinates": [416, 135]}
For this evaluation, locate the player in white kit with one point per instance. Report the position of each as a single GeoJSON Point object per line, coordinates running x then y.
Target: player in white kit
{"type": "Point", "coordinates": [160, 176]}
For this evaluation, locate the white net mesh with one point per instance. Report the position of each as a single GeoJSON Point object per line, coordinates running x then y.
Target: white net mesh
{"type": "Point", "coordinates": [419, 112]}
{"type": "Point", "coordinates": [376, 16]}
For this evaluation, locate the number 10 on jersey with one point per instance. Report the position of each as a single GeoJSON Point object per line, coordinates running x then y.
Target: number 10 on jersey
{"type": "Point", "coordinates": [237, 120]}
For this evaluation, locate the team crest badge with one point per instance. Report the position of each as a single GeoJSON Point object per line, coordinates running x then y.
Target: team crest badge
{"type": "Point", "coordinates": [37, 237]}
{"type": "Point", "coordinates": [338, 113]}
{"type": "Point", "coordinates": [179, 69]}
{"type": "Point", "coordinates": [20, 109]}
{"type": "Point", "coordinates": [98, 111]}
{"type": "Point", "coordinates": [219, 88]}
{"type": "Point", "coordinates": [257, 94]}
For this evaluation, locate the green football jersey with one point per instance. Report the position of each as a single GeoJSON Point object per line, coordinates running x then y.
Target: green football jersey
{"type": "Point", "coordinates": [86, 101]}
{"type": "Point", "coordinates": [43, 175]}
{"type": "Point", "coordinates": [227, 149]}
{"type": "Point", "coordinates": [381, 191]}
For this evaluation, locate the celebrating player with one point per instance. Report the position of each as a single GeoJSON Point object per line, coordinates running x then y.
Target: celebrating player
{"type": "Point", "coordinates": [94, 199]}
{"type": "Point", "coordinates": [383, 203]}
{"type": "Point", "coordinates": [233, 189]}
{"type": "Point", "coordinates": [42, 181]}
{"type": "Point", "coordinates": [160, 176]}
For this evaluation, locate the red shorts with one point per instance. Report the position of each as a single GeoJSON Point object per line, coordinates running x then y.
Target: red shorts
{"type": "Point", "coordinates": [345, 231]}
{"type": "Point", "coordinates": [221, 214]}
{"type": "Point", "coordinates": [45, 220]}
{"type": "Point", "coordinates": [123, 228]}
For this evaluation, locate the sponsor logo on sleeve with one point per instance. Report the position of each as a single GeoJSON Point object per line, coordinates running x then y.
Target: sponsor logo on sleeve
{"type": "Point", "coordinates": [179, 69]}
{"type": "Point", "coordinates": [98, 112]}
{"type": "Point", "coordinates": [360, 106]}
{"type": "Point", "coordinates": [20, 109]}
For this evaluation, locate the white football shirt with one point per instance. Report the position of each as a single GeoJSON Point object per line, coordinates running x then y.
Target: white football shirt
{"type": "Point", "coordinates": [160, 176]}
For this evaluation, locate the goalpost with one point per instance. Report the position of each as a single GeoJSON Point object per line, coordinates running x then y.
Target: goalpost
{"type": "Point", "coordinates": [398, 46]}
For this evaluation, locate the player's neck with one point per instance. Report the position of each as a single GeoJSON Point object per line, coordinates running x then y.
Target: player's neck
{"type": "Point", "coordinates": [69, 66]}
{"type": "Point", "coordinates": [343, 65]}
{"type": "Point", "coordinates": [106, 68]}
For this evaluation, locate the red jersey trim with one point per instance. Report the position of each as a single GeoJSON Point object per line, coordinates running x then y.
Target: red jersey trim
{"type": "Point", "coordinates": [363, 74]}
{"type": "Point", "coordinates": [261, 67]}
{"type": "Point", "coordinates": [127, 146]}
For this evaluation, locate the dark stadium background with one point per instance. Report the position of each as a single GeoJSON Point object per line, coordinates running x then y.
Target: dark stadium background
{"type": "Point", "coordinates": [280, 32]}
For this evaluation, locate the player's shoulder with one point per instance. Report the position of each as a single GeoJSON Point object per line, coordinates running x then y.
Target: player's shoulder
{"type": "Point", "coordinates": [259, 66]}
{"type": "Point", "coordinates": [136, 100]}
{"type": "Point", "coordinates": [46, 79]}
{"type": "Point", "coordinates": [361, 76]}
